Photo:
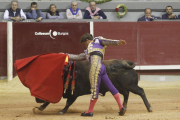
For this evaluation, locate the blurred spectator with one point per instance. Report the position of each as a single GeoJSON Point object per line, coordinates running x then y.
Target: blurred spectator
{"type": "Point", "coordinates": [53, 13]}
{"type": "Point", "coordinates": [34, 13]}
{"type": "Point", "coordinates": [169, 14]}
{"type": "Point", "coordinates": [93, 12]}
{"type": "Point", "coordinates": [74, 12]}
{"type": "Point", "coordinates": [14, 13]}
{"type": "Point", "coordinates": [148, 16]}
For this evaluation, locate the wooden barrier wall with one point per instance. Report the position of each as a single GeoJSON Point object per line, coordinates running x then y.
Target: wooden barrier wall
{"type": "Point", "coordinates": [62, 37]}
{"type": "Point", "coordinates": [3, 49]}
{"type": "Point", "coordinates": [148, 43]}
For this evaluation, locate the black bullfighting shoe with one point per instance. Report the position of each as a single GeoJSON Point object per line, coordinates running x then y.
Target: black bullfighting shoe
{"type": "Point", "coordinates": [87, 114]}
{"type": "Point", "coordinates": [122, 112]}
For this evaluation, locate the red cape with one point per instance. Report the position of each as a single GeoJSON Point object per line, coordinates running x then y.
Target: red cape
{"type": "Point", "coordinates": [42, 74]}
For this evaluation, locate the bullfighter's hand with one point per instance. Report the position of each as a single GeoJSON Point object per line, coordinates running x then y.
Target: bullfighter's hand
{"type": "Point", "coordinates": [61, 53]}
{"type": "Point", "coordinates": [122, 42]}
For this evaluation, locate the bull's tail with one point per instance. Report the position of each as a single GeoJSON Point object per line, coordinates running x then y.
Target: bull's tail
{"type": "Point", "coordinates": [128, 64]}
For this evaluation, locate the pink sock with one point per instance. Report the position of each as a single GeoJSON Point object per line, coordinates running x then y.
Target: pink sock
{"type": "Point", "coordinates": [91, 106]}
{"type": "Point", "coordinates": [116, 96]}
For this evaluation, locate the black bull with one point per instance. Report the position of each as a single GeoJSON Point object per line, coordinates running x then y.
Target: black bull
{"type": "Point", "coordinates": [121, 74]}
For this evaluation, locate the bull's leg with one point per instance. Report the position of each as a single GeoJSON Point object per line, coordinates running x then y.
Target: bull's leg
{"type": "Point", "coordinates": [37, 110]}
{"type": "Point", "coordinates": [42, 107]}
{"type": "Point", "coordinates": [69, 102]}
{"type": "Point", "coordinates": [138, 90]}
{"type": "Point", "coordinates": [125, 94]}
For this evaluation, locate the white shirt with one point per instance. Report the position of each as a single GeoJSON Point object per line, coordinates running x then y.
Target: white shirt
{"type": "Point", "coordinates": [6, 14]}
{"type": "Point", "coordinates": [71, 16]}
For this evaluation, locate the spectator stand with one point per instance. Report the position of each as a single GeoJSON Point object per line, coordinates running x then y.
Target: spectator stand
{"type": "Point", "coordinates": [135, 8]}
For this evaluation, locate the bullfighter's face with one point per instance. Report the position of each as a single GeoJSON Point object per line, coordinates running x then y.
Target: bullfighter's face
{"type": "Point", "coordinates": [14, 6]}
{"type": "Point", "coordinates": [87, 43]}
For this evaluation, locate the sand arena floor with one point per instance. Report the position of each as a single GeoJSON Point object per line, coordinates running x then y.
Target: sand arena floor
{"type": "Point", "coordinates": [16, 103]}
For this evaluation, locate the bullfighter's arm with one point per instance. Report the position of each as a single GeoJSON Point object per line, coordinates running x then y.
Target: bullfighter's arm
{"type": "Point", "coordinates": [81, 56]}
{"type": "Point", "coordinates": [104, 41]}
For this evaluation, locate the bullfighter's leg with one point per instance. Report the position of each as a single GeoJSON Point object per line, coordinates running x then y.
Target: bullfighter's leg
{"type": "Point", "coordinates": [69, 102]}
{"type": "Point", "coordinates": [138, 90]}
{"type": "Point", "coordinates": [106, 81]}
{"type": "Point", "coordinates": [95, 80]}
{"type": "Point", "coordinates": [93, 100]}
{"type": "Point", "coordinates": [94, 94]}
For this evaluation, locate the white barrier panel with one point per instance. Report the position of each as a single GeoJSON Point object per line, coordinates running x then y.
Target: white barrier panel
{"type": "Point", "coordinates": [9, 51]}
{"type": "Point", "coordinates": [158, 67]}
{"type": "Point", "coordinates": [92, 28]}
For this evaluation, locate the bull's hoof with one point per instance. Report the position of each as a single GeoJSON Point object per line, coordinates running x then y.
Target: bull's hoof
{"type": "Point", "coordinates": [36, 110]}
{"type": "Point", "coordinates": [41, 108]}
{"type": "Point", "coordinates": [150, 109]}
{"type": "Point", "coordinates": [60, 113]}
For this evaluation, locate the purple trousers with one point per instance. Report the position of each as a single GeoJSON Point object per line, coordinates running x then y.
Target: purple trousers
{"type": "Point", "coordinates": [97, 75]}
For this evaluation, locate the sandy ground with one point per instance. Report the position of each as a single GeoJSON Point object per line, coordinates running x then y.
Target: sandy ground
{"type": "Point", "coordinates": [16, 103]}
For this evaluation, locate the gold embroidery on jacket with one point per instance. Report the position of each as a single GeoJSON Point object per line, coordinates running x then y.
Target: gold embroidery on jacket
{"type": "Point", "coordinates": [90, 49]}
{"type": "Point", "coordinates": [94, 74]}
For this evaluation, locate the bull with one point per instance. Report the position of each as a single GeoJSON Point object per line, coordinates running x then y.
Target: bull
{"type": "Point", "coordinates": [121, 74]}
